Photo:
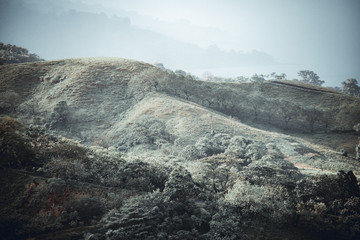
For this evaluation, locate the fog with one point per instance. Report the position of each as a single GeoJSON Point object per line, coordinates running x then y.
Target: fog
{"type": "Point", "coordinates": [228, 38]}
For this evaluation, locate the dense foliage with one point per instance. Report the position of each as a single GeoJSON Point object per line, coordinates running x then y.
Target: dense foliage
{"type": "Point", "coordinates": [230, 188]}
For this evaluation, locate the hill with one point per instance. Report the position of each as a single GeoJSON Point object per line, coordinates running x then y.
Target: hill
{"type": "Point", "coordinates": [81, 98]}
{"type": "Point", "coordinates": [107, 148]}
{"type": "Point", "coordinates": [81, 83]}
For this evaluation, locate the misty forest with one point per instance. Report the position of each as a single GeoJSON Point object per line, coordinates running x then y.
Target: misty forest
{"type": "Point", "coordinates": [211, 120]}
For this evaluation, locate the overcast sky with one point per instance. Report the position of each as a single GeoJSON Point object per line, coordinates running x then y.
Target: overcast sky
{"type": "Point", "coordinates": [285, 28]}
{"type": "Point", "coordinates": [320, 35]}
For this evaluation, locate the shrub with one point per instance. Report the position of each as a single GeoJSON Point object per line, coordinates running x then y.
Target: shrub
{"type": "Point", "coordinates": [60, 116]}
{"type": "Point", "coordinates": [226, 225]}
{"type": "Point", "coordinates": [14, 54]}
{"type": "Point", "coordinates": [8, 101]}
{"type": "Point", "coordinates": [217, 173]}
{"type": "Point", "coordinates": [148, 131]}
{"type": "Point", "coordinates": [154, 216]}
{"type": "Point", "coordinates": [254, 198]}
{"type": "Point", "coordinates": [238, 146]}
{"type": "Point", "coordinates": [190, 152]}
{"type": "Point", "coordinates": [15, 152]}
{"type": "Point", "coordinates": [206, 146]}
{"type": "Point", "coordinates": [67, 149]}
{"type": "Point", "coordinates": [328, 205]}
{"type": "Point", "coordinates": [180, 185]}
{"type": "Point", "coordinates": [211, 145]}
{"type": "Point", "coordinates": [71, 160]}
{"type": "Point", "coordinates": [86, 208]}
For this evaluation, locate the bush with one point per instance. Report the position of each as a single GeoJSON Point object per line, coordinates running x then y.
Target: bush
{"type": "Point", "coordinates": [251, 199]}
{"type": "Point", "coordinates": [86, 208]}
{"type": "Point", "coordinates": [153, 216]}
{"type": "Point", "coordinates": [180, 185]}
{"type": "Point", "coordinates": [71, 160]}
{"type": "Point", "coordinates": [191, 152]}
{"type": "Point", "coordinates": [14, 54]}
{"type": "Point", "coordinates": [67, 149]}
{"type": "Point", "coordinates": [328, 205]}
{"type": "Point", "coordinates": [211, 145]}
{"type": "Point", "coordinates": [217, 173]}
{"type": "Point", "coordinates": [206, 146]}
{"type": "Point", "coordinates": [237, 146]}
{"type": "Point", "coordinates": [148, 131]}
{"type": "Point", "coordinates": [8, 101]}
{"type": "Point", "coordinates": [226, 225]}
{"type": "Point", "coordinates": [15, 152]}
{"type": "Point", "coordinates": [60, 116]}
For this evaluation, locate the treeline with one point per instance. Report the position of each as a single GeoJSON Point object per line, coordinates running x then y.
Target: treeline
{"type": "Point", "coordinates": [14, 54]}
{"type": "Point", "coordinates": [349, 87]}
{"type": "Point", "coordinates": [298, 106]}
{"type": "Point", "coordinates": [307, 76]}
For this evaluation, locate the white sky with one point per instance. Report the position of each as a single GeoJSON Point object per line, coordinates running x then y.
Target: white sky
{"type": "Point", "coordinates": [280, 27]}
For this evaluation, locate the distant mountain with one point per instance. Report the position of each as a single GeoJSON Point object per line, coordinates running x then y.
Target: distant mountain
{"type": "Point", "coordinates": [71, 33]}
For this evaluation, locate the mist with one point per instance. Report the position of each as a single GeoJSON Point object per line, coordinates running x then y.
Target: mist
{"type": "Point", "coordinates": [228, 38]}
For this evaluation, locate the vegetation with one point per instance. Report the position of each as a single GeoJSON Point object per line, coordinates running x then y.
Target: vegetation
{"type": "Point", "coordinates": [175, 162]}
{"type": "Point", "coordinates": [310, 77]}
{"type": "Point", "coordinates": [15, 152]}
{"type": "Point", "coordinates": [14, 54]}
{"type": "Point", "coordinates": [233, 183]}
{"type": "Point", "coordinates": [350, 86]}
{"type": "Point", "coordinates": [147, 131]}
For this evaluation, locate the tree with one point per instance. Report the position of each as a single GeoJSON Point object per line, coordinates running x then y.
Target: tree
{"type": "Point", "coordinates": [288, 111]}
{"type": "Point", "coordinates": [325, 118]}
{"type": "Point", "coordinates": [271, 109]}
{"type": "Point", "coordinates": [256, 102]}
{"type": "Point", "coordinates": [281, 76]}
{"type": "Point", "coordinates": [60, 117]}
{"type": "Point", "coordinates": [220, 172]}
{"type": "Point", "coordinates": [9, 101]}
{"type": "Point", "coordinates": [208, 76]}
{"type": "Point", "coordinates": [312, 116]}
{"type": "Point", "coordinates": [14, 54]}
{"type": "Point", "coordinates": [350, 87]}
{"type": "Point", "coordinates": [258, 78]}
{"type": "Point", "coordinates": [310, 77]}
{"type": "Point", "coordinates": [147, 131]}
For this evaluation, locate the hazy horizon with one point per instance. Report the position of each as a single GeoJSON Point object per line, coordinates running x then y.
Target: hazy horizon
{"type": "Point", "coordinates": [229, 38]}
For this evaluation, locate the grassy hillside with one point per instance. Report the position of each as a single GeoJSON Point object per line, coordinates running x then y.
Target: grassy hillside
{"type": "Point", "coordinates": [116, 84]}
{"type": "Point", "coordinates": [117, 149]}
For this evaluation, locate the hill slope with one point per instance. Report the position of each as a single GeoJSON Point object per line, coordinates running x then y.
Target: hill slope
{"type": "Point", "coordinates": [162, 156]}
{"type": "Point", "coordinates": [99, 89]}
